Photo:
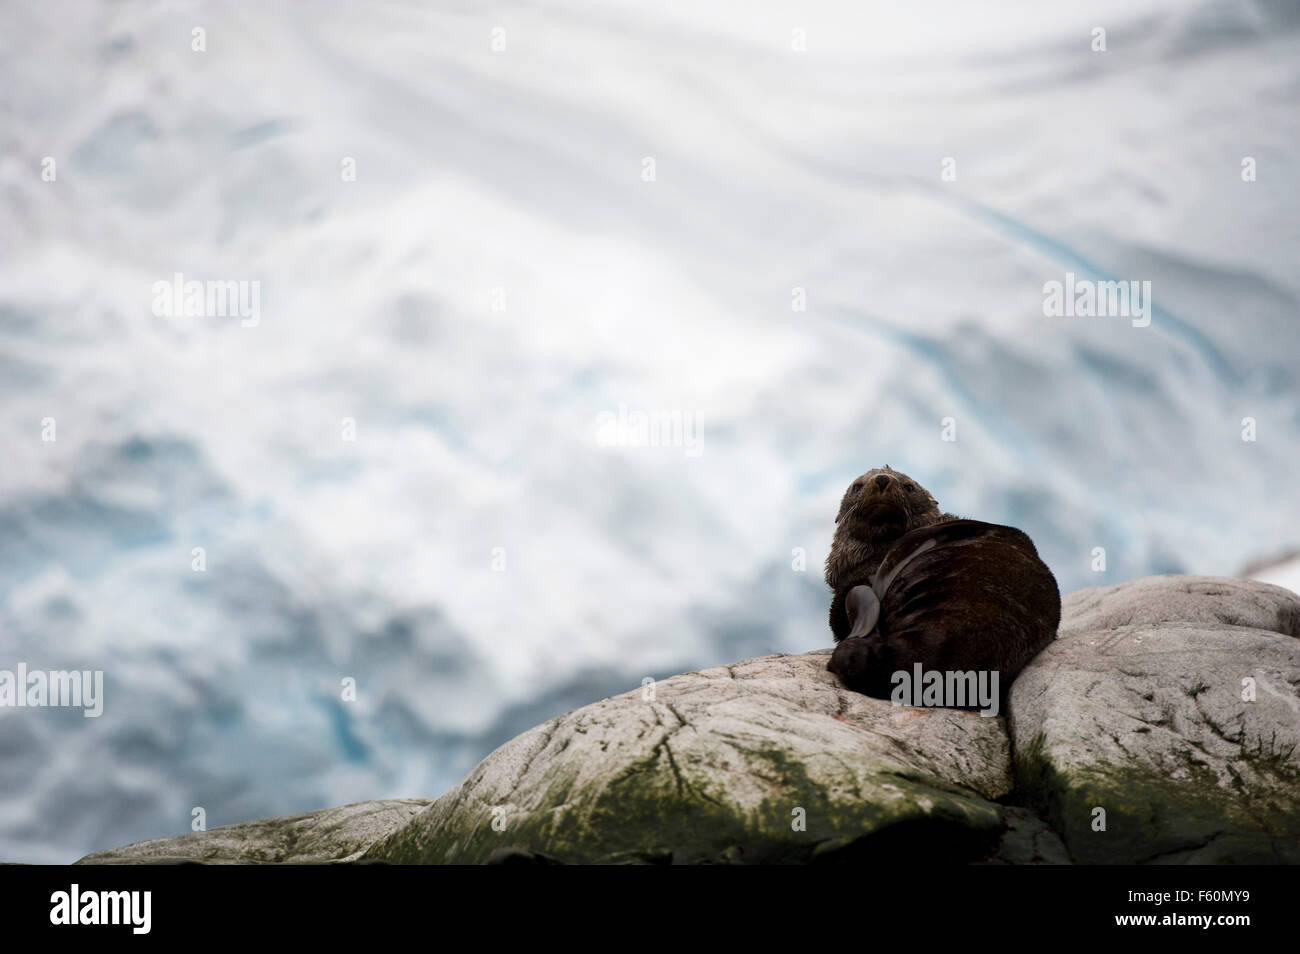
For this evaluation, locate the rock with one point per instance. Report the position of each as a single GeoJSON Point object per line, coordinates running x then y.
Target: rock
{"type": "Point", "coordinates": [331, 835]}
{"type": "Point", "coordinates": [1137, 709]}
{"type": "Point", "coordinates": [1211, 600]}
{"type": "Point", "coordinates": [1028, 840]}
{"type": "Point", "coordinates": [721, 766]}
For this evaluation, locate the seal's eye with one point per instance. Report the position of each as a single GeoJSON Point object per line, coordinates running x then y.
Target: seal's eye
{"type": "Point", "coordinates": [908, 487]}
{"type": "Point", "coordinates": [856, 487]}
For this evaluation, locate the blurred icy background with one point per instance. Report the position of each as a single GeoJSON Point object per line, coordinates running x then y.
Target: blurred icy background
{"type": "Point", "coordinates": [521, 169]}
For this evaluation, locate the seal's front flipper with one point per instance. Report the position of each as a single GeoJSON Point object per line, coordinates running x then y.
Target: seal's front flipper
{"type": "Point", "coordinates": [863, 610]}
{"type": "Point", "coordinates": [864, 665]}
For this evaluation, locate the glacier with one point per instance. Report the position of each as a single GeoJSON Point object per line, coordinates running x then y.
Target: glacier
{"type": "Point", "coordinates": [500, 273]}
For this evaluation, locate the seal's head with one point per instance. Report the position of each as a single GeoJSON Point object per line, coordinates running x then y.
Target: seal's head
{"type": "Point", "coordinates": [877, 509]}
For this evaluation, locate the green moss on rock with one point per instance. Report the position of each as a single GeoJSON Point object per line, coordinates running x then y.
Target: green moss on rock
{"type": "Point", "coordinates": [656, 814]}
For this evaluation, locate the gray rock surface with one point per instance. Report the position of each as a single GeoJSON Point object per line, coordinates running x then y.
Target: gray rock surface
{"type": "Point", "coordinates": [1172, 704]}
{"type": "Point", "coordinates": [719, 766]}
{"type": "Point", "coordinates": [330, 835]}
{"type": "Point", "coordinates": [1211, 600]}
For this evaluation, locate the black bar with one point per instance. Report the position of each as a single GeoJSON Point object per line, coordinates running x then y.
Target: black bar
{"type": "Point", "coordinates": [927, 905]}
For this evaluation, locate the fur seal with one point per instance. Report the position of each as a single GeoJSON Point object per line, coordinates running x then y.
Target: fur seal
{"type": "Point", "coordinates": [916, 586]}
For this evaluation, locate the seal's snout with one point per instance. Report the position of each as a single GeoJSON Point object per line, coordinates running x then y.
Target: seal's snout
{"type": "Point", "coordinates": [882, 481]}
